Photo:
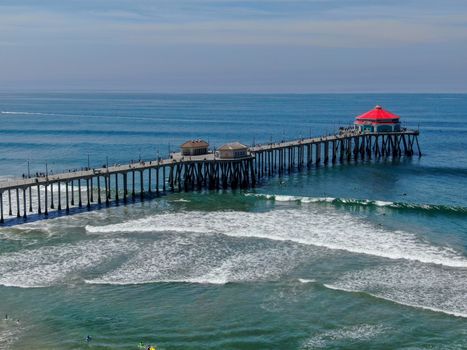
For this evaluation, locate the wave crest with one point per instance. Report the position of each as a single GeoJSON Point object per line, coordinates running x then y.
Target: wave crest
{"type": "Point", "coordinates": [364, 202]}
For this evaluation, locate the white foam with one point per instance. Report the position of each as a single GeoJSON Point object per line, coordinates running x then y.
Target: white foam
{"type": "Point", "coordinates": [323, 227]}
{"type": "Point", "coordinates": [9, 333]}
{"type": "Point", "coordinates": [427, 287]}
{"type": "Point", "coordinates": [280, 198]}
{"type": "Point", "coordinates": [304, 280]}
{"type": "Point", "coordinates": [49, 265]}
{"type": "Point", "coordinates": [188, 260]}
{"type": "Point", "coordinates": [285, 198]}
{"type": "Point", "coordinates": [267, 264]}
{"type": "Point", "coordinates": [304, 199]}
{"type": "Point", "coordinates": [23, 113]}
{"type": "Point", "coordinates": [383, 203]}
{"type": "Point", "coordinates": [357, 333]}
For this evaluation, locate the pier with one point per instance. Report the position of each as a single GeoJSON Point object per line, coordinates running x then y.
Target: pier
{"type": "Point", "coordinates": [122, 183]}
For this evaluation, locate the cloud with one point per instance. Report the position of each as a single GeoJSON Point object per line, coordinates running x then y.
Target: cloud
{"type": "Point", "coordinates": [40, 27]}
{"type": "Point", "coordinates": [264, 44]}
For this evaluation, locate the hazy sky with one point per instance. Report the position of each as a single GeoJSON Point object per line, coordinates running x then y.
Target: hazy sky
{"type": "Point", "coordinates": [234, 45]}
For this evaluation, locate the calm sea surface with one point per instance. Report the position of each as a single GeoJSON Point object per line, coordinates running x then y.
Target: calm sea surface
{"type": "Point", "coordinates": [352, 256]}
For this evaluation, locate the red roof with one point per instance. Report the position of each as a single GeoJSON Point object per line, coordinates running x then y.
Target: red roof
{"type": "Point", "coordinates": [379, 115]}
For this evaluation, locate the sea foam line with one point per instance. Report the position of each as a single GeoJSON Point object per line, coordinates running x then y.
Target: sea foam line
{"type": "Point", "coordinates": [25, 113]}
{"type": "Point", "coordinates": [424, 307]}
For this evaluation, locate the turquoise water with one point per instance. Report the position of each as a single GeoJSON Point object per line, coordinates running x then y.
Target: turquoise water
{"type": "Point", "coordinates": [352, 256]}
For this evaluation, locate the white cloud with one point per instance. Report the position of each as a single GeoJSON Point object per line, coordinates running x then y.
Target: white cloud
{"type": "Point", "coordinates": [209, 46]}
{"type": "Point", "coordinates": [52, 28]}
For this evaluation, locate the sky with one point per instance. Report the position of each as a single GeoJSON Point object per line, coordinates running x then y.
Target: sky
{"type": "Point", "coordinates": [234, 46]}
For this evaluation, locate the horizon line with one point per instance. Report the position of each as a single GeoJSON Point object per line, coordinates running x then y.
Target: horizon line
{"type": "Point", "coordinates": [135, 91]}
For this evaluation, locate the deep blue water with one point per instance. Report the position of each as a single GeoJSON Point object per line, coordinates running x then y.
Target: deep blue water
{"type": "Point", "coordinates": [359, 255]}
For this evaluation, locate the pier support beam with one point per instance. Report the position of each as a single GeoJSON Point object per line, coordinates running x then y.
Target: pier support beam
{"type": "Point", "coordinates": [52, 196]}
{"type": "Point", "coordinates": [326, 152]}
{"type": "Point", "coordinates": [157, 181]}
{"type": "Point", "coordinates": [10, 212]}
{"type": "Point", "coordinates": [59, 197]}
{"type": "Point", "coordinates": [141, 184]}
{"type": "Point", "coordinates": [149, 180]}
{"type": "Point", "coordinates": [88, 197]}
{"type": "Point", "coordinates": [91, 186]}
{"type": "Point", "coordinates": [107, 190]}
{"type": "Point", "coordinates": [1, 208]}
{"type": "Point", "coordinates": [80, 202]}
{"type": "Point", "coordinates": [38, 199]}
{"type": "Point", "coordinates": [30, 199]}
{"type": "Point", "coordinates": [418, 147]}
{"type": "Point", "coordinates": [116, 188]}
{"type": "Point", "coordinates": [18, 209]}
{"type": "Point", "coordinates": [24, 203]}
{"type": "Point", "coordinates": [72, 192]}
{"type": "Point", "coordinates": [99, 199]}
{"type": "Point", "coordinates": [66, 197]}
{"type": "Point", "coordinates": [125, 187]}
{"type": "Point", "coordinates": [46, 202]}
{"type": "Point", "coordinates": [133, 194]}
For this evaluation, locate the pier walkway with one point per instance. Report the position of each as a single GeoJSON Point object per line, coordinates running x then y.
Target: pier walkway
{"type": "Point", "coordinates": [117, 183]}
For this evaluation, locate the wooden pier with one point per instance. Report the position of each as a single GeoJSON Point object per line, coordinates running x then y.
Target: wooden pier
{"type": "Point", "coordinates": [122, 183]}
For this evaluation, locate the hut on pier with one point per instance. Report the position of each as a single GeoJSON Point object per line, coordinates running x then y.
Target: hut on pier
{"type": "Point", "coordinates": [232, 150]}
{"type": "Point", "coordinates": [194, 148]}
{"type": "Point", "coordinates": [378, 120]}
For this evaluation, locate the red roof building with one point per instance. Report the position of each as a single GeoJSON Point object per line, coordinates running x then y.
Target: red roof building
{"type": "Point", "coordinates": [378, 120]}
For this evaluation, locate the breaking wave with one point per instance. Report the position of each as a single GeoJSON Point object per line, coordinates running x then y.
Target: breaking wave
{"type": "Point", "coordinates": [324, 228]}
{"type": "Point", "coordinates": [433, 288]}
{"type": "Point", "coordinates": [194, 260]}
{"type": "Point", "coordinates": [365, 202]}
{"type": "Point", "coordinates": [50, 265]}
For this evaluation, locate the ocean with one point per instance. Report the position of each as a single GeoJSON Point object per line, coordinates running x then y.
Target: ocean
{"type": "Point", "coordinates": [359, 255]}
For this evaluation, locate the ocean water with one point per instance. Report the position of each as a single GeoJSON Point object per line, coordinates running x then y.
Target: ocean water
{"type": "Point", "coordinates": [347, 256]}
